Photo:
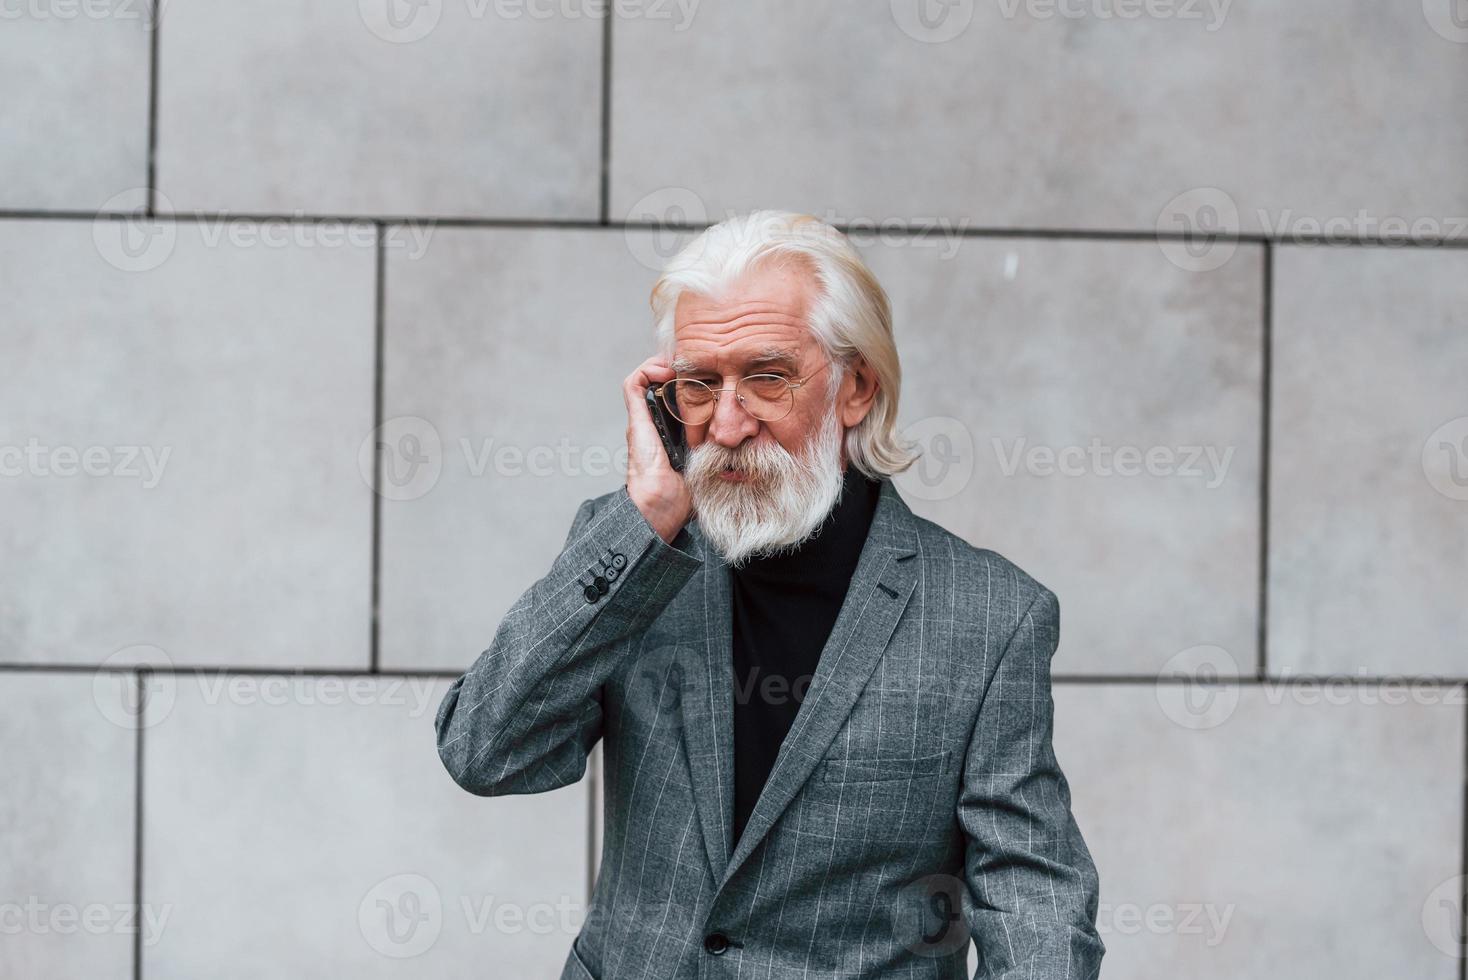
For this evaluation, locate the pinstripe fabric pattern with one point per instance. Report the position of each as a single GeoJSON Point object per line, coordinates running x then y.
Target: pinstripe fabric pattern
{"type": "Point", "coordinates": [915, 804]}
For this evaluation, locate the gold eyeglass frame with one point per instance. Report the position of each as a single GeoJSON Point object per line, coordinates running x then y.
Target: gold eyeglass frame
{"type": "Point", "coordinates": [789, 384]}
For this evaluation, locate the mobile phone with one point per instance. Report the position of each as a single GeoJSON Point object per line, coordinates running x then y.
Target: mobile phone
{"type": "Point", "coordinates": [670, 430]}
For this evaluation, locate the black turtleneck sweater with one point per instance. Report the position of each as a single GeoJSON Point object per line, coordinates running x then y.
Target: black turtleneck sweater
{"type": "Point", "coordinates": [784, 607]}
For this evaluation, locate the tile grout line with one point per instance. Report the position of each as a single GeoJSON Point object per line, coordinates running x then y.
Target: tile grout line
{"type": "Point", "coordinates": [140, 678]}
{"type": "Point", "coordinates": [150, 203]}
{"type": "Point", "coordinates": [1266, 416]}
{"type": "Point", "coordinates": [379, 318]}
{"type": "Point", "coordinates": [1463, 869]}
{"type": "Point", "coordinates": [604, 188]}
{"type": "Point", "coordinates": [582, 224]}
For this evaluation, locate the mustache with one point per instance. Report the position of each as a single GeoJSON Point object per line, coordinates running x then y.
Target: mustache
{"type": "Point", "coordinates": [749, 457]}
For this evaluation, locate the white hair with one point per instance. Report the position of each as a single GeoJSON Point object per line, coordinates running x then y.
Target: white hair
{"type": "Point", "coordinates": [850, 318]}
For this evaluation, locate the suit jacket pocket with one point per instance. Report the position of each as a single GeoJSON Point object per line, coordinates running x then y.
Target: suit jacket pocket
{"type": "Point", "coordinates": [853, 770]}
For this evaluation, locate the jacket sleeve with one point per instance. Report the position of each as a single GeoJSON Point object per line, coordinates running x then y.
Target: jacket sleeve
{"type": "Point", "coordinates": [524, 716]}
{"type": "Point", "coordinates": [1031, 887]}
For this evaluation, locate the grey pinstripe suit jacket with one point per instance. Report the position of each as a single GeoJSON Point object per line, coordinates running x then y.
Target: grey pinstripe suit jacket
{"type": "Point", "coordinates": [916, 802]}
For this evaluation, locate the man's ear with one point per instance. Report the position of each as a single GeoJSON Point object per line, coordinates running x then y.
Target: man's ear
{"type": "Point", "coordinates": [859, 392]}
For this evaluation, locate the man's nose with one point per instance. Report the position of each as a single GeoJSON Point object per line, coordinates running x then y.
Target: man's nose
{"type": "Point", "coordinates": [731, 424]}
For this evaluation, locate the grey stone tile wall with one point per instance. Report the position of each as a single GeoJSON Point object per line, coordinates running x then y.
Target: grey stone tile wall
{"type": "Point", "coordinates": [1040, 114]}
{"type": "Point", "coordinates": [315, 812]}
{"type": "Point", "coordinates": [300, 107]}
{"type": "Point", "coordinates": [491, 359]}
{"type": "Point", "coordinates": [1258, 831]}
{"type": "Point", "coordinates": [68, 774]}
{"type": "Point", "coordinates": [1367, 571]}
{"type": "Point", "coordinates": [184, 469]}
{"type": "Point", "coordinates": [75, 116]}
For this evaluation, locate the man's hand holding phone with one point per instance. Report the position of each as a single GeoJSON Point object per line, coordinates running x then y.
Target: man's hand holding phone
{"type": "Point", "coordinates": [658, 490]}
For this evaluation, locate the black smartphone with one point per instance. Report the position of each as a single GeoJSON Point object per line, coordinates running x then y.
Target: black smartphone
{"type": "Point", "coordinates": [675, 440]}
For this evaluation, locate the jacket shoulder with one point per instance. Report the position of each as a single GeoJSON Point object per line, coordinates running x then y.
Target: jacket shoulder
{"type": "Point", "coordinates": [984, 576]}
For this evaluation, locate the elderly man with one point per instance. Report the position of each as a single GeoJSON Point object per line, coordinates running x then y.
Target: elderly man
{"type": "Point", "coordinates": [826, 721]}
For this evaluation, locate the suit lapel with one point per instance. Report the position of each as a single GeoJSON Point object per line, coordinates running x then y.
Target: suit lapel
{"type": "Point", "coordinates": [879, 591]}
{"type": "Point", "coordinates": [708, 708]}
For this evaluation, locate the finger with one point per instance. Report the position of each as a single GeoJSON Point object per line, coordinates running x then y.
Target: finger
{"type": "Point", "coordinates": [652, 371]}
{"type": "Point", "coordinates": [634, 393]}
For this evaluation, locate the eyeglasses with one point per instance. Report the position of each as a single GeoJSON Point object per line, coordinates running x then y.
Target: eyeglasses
{"type": "Point", "coordinates": [768, 397]}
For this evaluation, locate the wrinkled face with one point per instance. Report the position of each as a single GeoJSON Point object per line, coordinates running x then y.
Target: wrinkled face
{"type": "Point", "coordinates": [758, 327]}
{"type": "Point", "coordinates": [760, 486]}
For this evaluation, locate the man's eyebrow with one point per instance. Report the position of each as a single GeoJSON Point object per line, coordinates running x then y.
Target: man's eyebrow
{"type": "Point", "coordinates": [787, 357]}
{"type": "Point", "coordinates": [777, 357]}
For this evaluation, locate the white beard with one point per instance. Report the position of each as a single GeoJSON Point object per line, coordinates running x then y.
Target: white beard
{"type": "Point", "coordinates": [784, 500]}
